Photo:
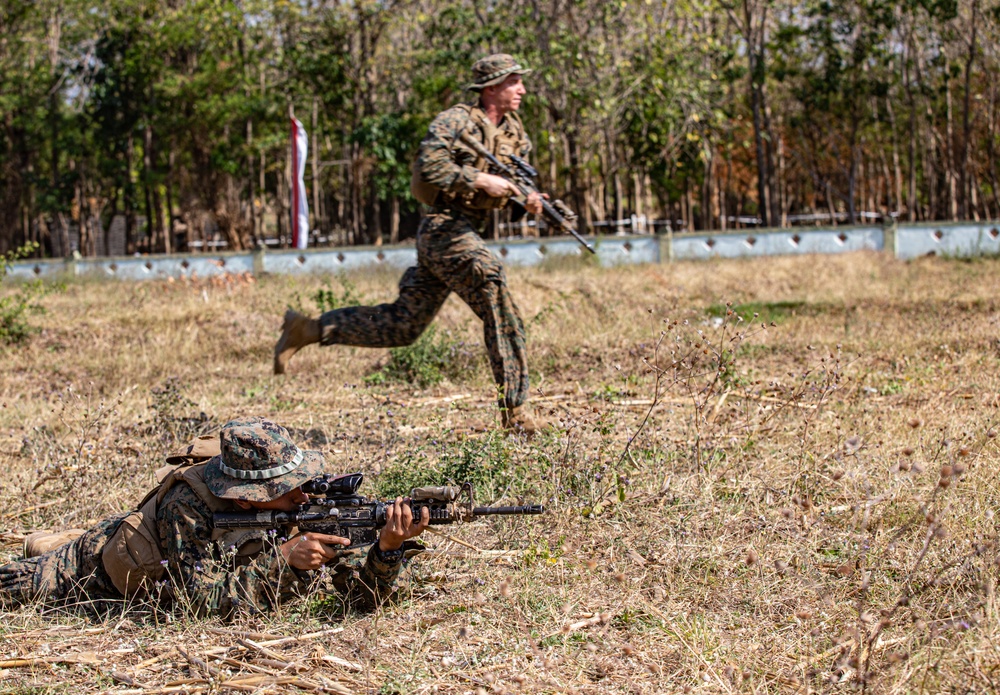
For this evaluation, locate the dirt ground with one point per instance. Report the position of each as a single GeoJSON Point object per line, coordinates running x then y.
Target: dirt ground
{"type": "Point", "coordinates": [776, 475]}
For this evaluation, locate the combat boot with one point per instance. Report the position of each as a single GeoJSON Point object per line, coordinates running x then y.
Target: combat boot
{"type": "Point", "coordinates": [519, 420]}
{"type": "Point", "coordinates": [41, 542]}
{"type": "Point", "coordinates": [297, 331]}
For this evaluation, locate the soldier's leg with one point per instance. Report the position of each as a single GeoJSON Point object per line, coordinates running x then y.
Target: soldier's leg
{"type": "Point", "coordinates": [399, 323]}
{"type": "Point", "coordinates": [41, 542]}
{"type": "Point", "coordinates": [71, 572]}
{"type": "Point", "coordinates": [460, 259]}
{"type": "Point", "coordinates": [421, 295]}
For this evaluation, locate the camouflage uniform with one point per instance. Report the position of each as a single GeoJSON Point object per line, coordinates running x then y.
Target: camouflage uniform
{"type": "Point", "coordinates": [451, 255]}
{"type": "Point", "coordinates": [202, 574]}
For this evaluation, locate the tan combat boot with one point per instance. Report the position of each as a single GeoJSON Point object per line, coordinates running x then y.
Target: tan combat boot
{"type": "Point", "coordinates": [41, 542]}
{"type": "Point", "coordinates": [519, 420]}
{"type": "Point", "coordinates": [296, 332]}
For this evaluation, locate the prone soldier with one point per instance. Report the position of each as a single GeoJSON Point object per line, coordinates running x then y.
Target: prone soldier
{"type": "Point", "coordinates": [452, 180]}
{"type": "Point", "coordinates": [168, 549]}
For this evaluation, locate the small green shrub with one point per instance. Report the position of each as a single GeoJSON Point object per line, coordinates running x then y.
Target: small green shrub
{"type": "Point", "coordinates": [487, 462]}
{"type": "Point", "coordinates": [16, 307]}
{"type": "Point", "coordinates": [765, 312]}
{"type": "Point", "coordinates": [431, 359]}
{"type": "Point", "coordinates": [327, 299]}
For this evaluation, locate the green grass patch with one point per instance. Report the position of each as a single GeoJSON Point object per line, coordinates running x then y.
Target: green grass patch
{"type": "Point", "coordinates": [764, 312]}
{"type": "Point", "coordinates": [429, 360]}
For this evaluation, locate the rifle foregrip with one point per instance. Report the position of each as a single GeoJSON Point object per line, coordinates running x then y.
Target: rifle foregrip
{"type": "Point", "coordinates": [242, 520]}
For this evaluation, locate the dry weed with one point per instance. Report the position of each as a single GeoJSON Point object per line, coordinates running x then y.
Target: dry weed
{"type": "Point", "coordinates": [800, 500]}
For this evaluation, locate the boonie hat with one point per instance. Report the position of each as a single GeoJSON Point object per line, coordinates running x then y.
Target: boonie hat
{"type": "Point", "coordinates": [494, 69]}
{"type": "Point", "coordinates": [259, 462]}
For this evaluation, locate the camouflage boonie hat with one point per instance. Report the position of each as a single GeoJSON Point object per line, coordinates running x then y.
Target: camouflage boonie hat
{"type": "Point", "coordinates": [494, 70]}
{"type": "Point", "coordinates": [259, 462]}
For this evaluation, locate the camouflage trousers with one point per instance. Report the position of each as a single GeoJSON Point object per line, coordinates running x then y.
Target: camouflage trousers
{"type": "Point", "coordinates": [451, 257]}
{"type": "Point", "coordinates": [72, 573]}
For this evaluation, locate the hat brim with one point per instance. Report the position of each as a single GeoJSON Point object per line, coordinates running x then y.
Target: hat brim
{"type": "Point", "coordinates": [229, 488]}
{"type": "Point", "coordinates": [478, 86]}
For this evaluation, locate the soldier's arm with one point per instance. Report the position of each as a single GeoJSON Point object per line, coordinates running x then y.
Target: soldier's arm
{"type": "Point", "coordinates": [525, 149]}
{"type": "Point", "coordinates": [363, 582]}
{"type": "Point", "coordinates": [206, 578]}
{"type": "Point", "coordinates": [366, 586]}
{"type": "Point", "coordinates": [436, 160]}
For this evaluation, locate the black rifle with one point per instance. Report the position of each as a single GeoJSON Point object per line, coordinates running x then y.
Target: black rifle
{"type": "Point", "coordinates": [336, 508]}
{"type": "Point", "coordinates": [523, 177]}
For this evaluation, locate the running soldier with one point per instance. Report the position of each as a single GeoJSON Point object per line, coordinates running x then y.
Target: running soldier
{"type": "Point", "coordinates": [169, 552]}
{"type": "Point", "coordinates": [450, 178]}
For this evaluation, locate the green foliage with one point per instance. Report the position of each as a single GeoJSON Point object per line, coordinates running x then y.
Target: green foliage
{"type": "Point", "coordinates": [327, 299]}
{"type": "Point", "coordinates": [620, 92]}
{"type": "Point", "coordinates": [429, 360]}
{"type": "Point", "coordinates": [17, 306]}
{"type": "Point", "coordinates": [762, 312]}
{"type": "Point", "coordinates": [487, 462]}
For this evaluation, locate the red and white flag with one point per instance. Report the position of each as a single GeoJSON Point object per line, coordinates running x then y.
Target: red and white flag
{"type": "Point", "coordinates": [300, 206]}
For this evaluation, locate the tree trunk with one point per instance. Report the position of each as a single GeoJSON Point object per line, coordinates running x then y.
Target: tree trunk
{"type": "Point", "coordinates": [949, 153]}
{"type": "Point", "coordinates": [255, 230]}
{"type": "Point", "coordinates": [963, 164]}
{"type": "Point", "coordinates": [130, 246]}
{"type": "Point", "coordinates": [313, 157]}
{"type": "Point", "coordinates": [171, 235]}
{"type": "Point", "coordinates": [708, 194]}
{"type": "Point", "coordinates": [911, 191]}
{"type": "Point", "coordinates": [394, 221]}
{"type": "Point", "coordinates": [576, 193]}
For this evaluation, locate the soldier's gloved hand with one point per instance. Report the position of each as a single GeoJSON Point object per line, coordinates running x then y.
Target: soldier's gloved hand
{"type": "Point", "coordinates": [534, 203]}
{"type": "Point", "coordinates": [309, 551]}
{"type": "Point", "coordinates": [400, 525]}
{"type": "Point", "coordinates": [495, 186]}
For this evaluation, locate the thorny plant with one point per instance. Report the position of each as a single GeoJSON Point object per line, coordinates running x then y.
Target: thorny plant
{"type": "Point", "coordinates": [780, 542]}
{"type": "Point", "coordinates": [171, 414]}
{"type": "Point", "coordinates": [89, 447]}
{"type": "Point", "coordinates": [952, 458]}
{"type": "Point", "coordinates": [701, 366]}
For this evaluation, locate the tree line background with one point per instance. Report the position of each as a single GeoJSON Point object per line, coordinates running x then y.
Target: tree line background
{"type": "Point", "coordinates": [705, 114]}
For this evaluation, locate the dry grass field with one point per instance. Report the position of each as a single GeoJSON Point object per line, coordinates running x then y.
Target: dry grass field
{"type": "Point", "coordinates": [792, 494]}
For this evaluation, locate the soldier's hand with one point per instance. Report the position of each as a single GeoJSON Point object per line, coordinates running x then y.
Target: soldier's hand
{"type": "Point", "coordinates": [495, 186]}
{"type": "Point", "coordinates": [534, 203]}
{"type": "Point", "coordinates": [309, 551]}
{"type": "Point", "coordinates": [400, 525]}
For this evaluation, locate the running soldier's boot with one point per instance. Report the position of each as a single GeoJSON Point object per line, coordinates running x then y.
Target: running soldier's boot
{"type": "Point", "coordinates": [41, 542]}
{"type": "Point", "coordinates": [296, 332]}
{"type": "Point", "coordinates": [519, 420]}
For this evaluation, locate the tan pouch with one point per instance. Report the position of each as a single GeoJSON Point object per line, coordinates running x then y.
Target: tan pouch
{"type": "Point", "coordinates": [201, 449]}
{"type": "Point", "coordinates": [424, 192]}
{"type": "Point", "coordinates": [132, 556]}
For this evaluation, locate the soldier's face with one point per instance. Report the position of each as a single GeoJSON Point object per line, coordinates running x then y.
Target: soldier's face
{"type": "Point", "coordinates": [507, 95]}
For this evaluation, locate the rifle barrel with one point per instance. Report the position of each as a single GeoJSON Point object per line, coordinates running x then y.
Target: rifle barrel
{"type": "Point", "coordinates": [518, 509]}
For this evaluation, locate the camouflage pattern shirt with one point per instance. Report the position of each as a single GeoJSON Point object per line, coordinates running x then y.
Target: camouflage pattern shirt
{"type": "Point", "coordinates": [208, 579]}
{"type": "Point", "coordinates": [448, 164]}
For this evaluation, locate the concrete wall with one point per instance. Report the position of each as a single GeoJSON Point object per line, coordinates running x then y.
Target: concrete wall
{"type": "Point", "coordinates": [962, 239]}
{"type": "Point", "coordinates": [905, 240]}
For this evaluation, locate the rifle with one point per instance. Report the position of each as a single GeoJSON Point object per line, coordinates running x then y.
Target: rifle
{"type": "Point", "coordinates": [336, 508]}
{"type": "Point", "coordinates": [523, 176]}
